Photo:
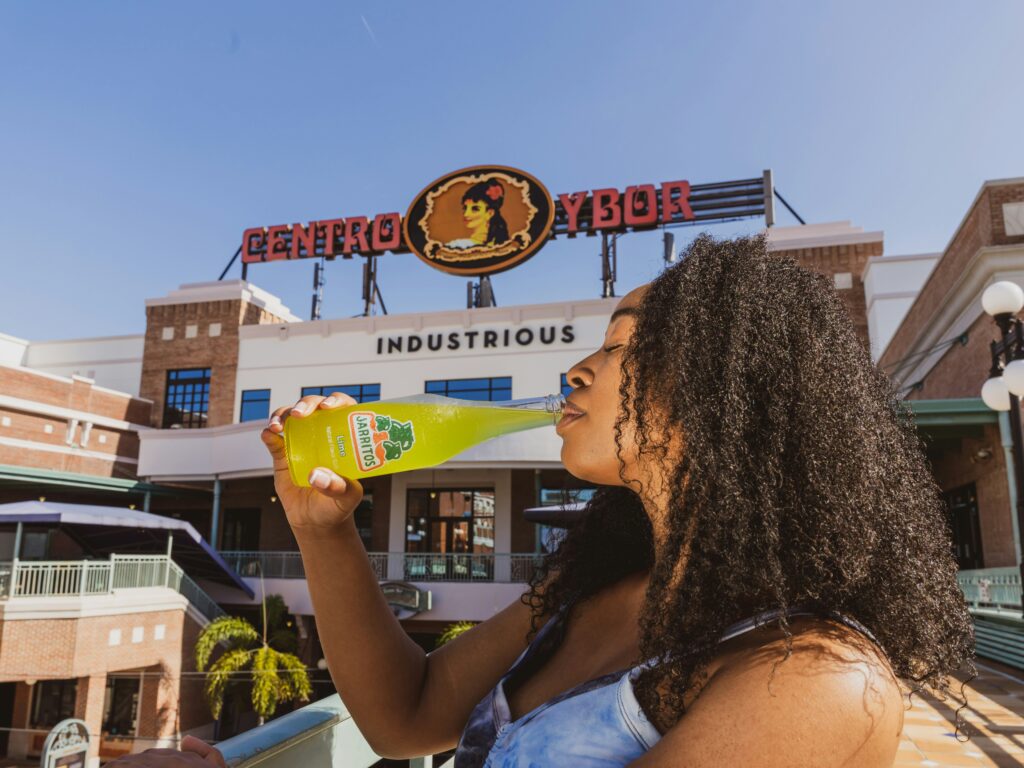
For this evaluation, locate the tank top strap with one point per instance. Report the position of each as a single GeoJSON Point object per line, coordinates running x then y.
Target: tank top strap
{"type": "Point", "coordinates": [548, 638]}
{"type": "Point", "coordinates": [767, 617]}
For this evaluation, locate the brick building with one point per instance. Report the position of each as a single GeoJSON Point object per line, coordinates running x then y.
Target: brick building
{"type": "Point", "coordinates": [181, 405]}
{"type": "Point", "coordinates": [940, 357]}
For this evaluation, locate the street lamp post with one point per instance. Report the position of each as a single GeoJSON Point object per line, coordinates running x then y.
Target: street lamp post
{"type": "Point", "coordinates": [1005, 385]}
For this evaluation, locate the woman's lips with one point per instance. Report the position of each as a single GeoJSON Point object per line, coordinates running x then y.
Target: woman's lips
{"type": "Point", "coordinates": [571, 414]}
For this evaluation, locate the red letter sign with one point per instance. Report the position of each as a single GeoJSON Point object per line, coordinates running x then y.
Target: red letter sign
{"type": "Point", "coordinates": [387, 231]}
{"type": "Point", "coordinates": [641, 206]}
{"type": "Point", "coordinates": [332, 231]}
{"type": "Point", "coordinates": [679, 205]}
{"type": "Point", "coordinates": [355, 236]}
{"type": "Point", "coordinates": [276, 249]}
{"type": "Point", "coordinates": [572, 205]}
{"type": "Point", "coordinates": [304, 237]}
{"type": "Point", "coordinates": [250, 248]}
{"type": "Point", "coordinates": [607, 214]}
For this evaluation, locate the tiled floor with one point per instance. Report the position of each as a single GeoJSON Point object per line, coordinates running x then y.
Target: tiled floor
{"type": "Point", "coordinates": [995, 716]}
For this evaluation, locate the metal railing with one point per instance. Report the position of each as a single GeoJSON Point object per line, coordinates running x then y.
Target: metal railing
{"type": "Point", "coordinates": [994, 599]}
{"type": "Point", "coordinates": [321, 733]}
{"type": "Point", "coordinates": [53, 578]}
{"type": "Point", "coordinates": [992, 589]}
{"type": "Point", "coordinates": [406, 566]}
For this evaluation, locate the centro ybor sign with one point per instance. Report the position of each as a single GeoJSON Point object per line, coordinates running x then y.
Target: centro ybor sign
{"type": "Point", "coordinates": [489, 218]}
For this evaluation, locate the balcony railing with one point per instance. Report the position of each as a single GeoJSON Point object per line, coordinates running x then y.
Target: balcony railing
{"type": "Point", "coordinates": [321, 733]}
{"type": "Point", "coordinates": [405, 566]}
{"type": "Point", "coordinates": [992, 589]}
{"type": "Point", "coordinates": [52, 578]}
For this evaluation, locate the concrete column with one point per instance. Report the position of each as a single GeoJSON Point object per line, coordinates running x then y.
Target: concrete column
{"type": "Point", "coordinates": [502, 524]}
{"type": "Point", "coordinates": [215, 523]}
{"type": "Point", "coordinates": [89, 708]}
{"type": "Point", "coordinates": [1006, 438]}
{"type": "Point", "coordinates": [396, 524]}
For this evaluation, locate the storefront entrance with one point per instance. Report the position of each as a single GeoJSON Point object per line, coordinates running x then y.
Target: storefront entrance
{"type": "Point", "coordinates": [449, 534]}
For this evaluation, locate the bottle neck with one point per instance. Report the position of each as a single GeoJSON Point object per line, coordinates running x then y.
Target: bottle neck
{"type": "Point", "coordinates": [550, 403]}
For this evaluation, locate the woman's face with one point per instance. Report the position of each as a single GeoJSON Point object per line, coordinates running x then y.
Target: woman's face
{"type": "Point", "coordinates": [588, 440]}
{"type": "Point", "coordinates": [476, 214]}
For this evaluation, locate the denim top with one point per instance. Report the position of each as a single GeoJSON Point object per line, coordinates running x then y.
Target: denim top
{"type": "Point", "coordinates": [597, 724]}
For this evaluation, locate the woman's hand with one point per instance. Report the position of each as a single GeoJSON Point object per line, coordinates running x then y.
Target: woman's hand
{"type": "Point", "coordinates": [322, 506]}
{"type": "Point", "coordinates": [195, 753]}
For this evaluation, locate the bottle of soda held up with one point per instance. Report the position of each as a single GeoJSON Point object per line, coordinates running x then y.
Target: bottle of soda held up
{"type": "Point", "coordinates": [378, 438]}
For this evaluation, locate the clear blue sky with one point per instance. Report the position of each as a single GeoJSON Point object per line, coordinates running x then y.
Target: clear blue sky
{"type": "Point", "coordinates": [138, 140]}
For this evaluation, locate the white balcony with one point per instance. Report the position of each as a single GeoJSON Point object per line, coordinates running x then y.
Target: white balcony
{"type": "Point", "coordinates": [319, 734]}
{"type": "Point", "coordinates": [463, 587]}
{"type": "Point", "coordinates": [21, 579]}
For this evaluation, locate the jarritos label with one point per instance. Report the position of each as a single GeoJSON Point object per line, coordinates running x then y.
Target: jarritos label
{"type": "Point", "coordinates": [479, 220]}
{"type": "Point", "coordinates": [379, 439]}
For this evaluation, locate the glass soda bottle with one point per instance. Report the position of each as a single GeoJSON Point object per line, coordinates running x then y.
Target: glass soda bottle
{"type": "Point", "coordinates": [378, 438]}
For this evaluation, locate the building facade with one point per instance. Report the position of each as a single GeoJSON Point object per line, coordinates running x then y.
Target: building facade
{"type": "Point", "coordinates": [167, 422]}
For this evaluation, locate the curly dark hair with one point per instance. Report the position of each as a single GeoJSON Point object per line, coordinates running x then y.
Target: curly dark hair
{"type": "Point", "coordinates": [802, 480]}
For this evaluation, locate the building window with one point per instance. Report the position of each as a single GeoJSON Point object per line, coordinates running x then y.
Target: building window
{"type": "Point", "coordinates": [241, 530]}
{"type": "Point", "coordinates": [361, 393]}
{"type": "Point", "coordinates": [188, 397]}
{"type": "Point", "coordinates": [453, 530]}
{"type": "Point", "coordinates": [566, 386]}
{"type": "Point", "coordinates": [255, 405]}
{"type": "Point", "coordinates": [962, 514]}
{"type": "Point", "coordinates": [499, 388]}
{"type": "Point", "coordinates": [53, 701]}
{"type": "Point", "coordinates": [121, 706]}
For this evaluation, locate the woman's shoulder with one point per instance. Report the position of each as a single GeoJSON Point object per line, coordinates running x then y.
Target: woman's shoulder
{"type": "Point", "coordinates": [828, 689]}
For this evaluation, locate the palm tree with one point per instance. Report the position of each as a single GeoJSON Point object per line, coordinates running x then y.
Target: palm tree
{"type": "Point", "coordinates": [278, 675]}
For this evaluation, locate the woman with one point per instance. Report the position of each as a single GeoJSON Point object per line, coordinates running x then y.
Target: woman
{"type": "Point", "coordinates": [481, 212]}
{"type": "Point", "coordinates": [766, 553]}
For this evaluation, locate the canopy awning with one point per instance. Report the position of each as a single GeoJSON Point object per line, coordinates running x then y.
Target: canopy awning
{"type": "Point", "coordinates": [104, 531]}
{"type": "Point", "coordinates": [557, 515]}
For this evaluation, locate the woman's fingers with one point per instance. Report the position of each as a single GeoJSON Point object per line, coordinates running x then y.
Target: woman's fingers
{"type": "Point", "coordinates": [337, 400]}
{"type": "Point", "coordinates": [273, 434]}
{"type": "Point", "coordinates": [208, 752]}
{"type": "Point", "coordinates": [346, 493]}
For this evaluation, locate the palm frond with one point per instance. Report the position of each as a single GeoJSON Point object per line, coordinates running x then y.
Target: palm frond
{"type": "Point", "coordinates": [265, 684]}
{"type": "Point", "coordinates": [231, 630]}
{"type": "Point", "coordinates": [295, 680]}
{"type": "Point", "coordinates": [219, 676]}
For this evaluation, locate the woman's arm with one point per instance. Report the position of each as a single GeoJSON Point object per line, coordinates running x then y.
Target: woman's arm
{"type": "Point", "coordinates": [406, 703]}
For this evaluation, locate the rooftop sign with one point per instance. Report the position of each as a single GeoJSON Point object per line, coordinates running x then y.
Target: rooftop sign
{"type": "Point", "coordinates": [487, 219]}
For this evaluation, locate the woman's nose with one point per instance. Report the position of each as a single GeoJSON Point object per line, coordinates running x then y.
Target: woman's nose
{"type": "Point", "coordinates": [579, 376]}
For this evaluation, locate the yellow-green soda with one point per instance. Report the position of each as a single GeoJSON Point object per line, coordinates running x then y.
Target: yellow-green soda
{"type": "Point", "coordinates": [378, 438]}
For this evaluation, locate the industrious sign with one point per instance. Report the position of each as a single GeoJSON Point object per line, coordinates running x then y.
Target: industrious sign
{"type": "Point", "coordinates": [487, 219]}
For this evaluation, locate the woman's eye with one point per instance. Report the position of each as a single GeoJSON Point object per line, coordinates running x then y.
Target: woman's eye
{"type": "Point", "coordinates": [612, 347]}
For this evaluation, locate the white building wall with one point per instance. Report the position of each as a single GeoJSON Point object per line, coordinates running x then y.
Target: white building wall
{"type": "Point", "coordinates": [114, 362]}
{"type": "Point", "coordinates": [285, 358]}
{"type": "Point", "coordinates": [12, 350]}
{"type": "Point", "coordinates": [891, 285]}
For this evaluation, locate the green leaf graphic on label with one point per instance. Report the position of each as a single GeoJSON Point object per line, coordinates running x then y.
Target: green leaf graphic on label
{"type": "Point", "coordinates": [379, 439]}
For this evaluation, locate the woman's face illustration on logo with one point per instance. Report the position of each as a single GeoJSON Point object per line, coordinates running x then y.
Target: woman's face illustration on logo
{"type": "Point", "coordinates": [477, 216]}
{"type": "Point", "coordinates": [479, 220]}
